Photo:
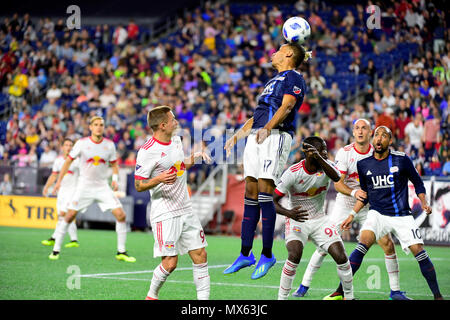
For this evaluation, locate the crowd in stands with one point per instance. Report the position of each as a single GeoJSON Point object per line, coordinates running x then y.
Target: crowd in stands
{"type": "Point", "coordinates": [211, 70]}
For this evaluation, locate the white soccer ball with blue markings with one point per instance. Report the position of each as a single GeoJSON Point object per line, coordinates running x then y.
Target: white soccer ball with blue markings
{"type": "Point", "coordinates": [296, 29]}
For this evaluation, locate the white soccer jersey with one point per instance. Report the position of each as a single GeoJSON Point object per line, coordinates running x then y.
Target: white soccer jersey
{"type": "Point", "coordinates": [94, 160]}
{"type": "Point", "coordinates": [155, 157]}
{"type": "Point", "coordinates": [346, 159]}
{"type": "Point", "coordinates": [69, 181]}
{"type": "Point", "coordinates": [305, 189]}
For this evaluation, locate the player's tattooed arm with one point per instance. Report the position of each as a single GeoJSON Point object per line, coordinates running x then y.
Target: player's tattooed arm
{"type": "Point", "coordinates": [296, 213]}
{"type": "Point", "coordinates": [167, 177]}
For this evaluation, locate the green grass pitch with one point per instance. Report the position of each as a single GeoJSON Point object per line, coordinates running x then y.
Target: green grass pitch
{"type": "Point", "coordinates": [27, 273]}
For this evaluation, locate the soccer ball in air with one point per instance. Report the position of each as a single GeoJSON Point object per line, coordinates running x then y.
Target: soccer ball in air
{"type": "Point", "coordinates": [296, 29]}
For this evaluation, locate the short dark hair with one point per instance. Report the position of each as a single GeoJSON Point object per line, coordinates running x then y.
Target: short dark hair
{"type": "Point", "coordinates": [67, 139]}
{"type": "Point", "coordinates": [299, 53]}
{"type": "Point", "coordinates": [316, 141]}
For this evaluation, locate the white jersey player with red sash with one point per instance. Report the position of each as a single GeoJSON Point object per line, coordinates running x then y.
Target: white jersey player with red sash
{"type": "Point", "coordinates": [349, 191]}
{"type": "Point", "coordinates": [96, 154]}
{"type": "Point", "coordinates": [306, 184]}
{"type": "Point", "coordinates": [93, 185]}
{"type": "Point", "coordinates": [308, 190]}
{"type": "Point", "coordinates": [154, 158]}
{"type": "Point", "coordinates": [161, 168]}
{"type": "Point", "coordinates": [346, 159]}
{"type": "Point", "coordinates": [68, 183]}
{"type": "Point", "coordinates": [65, 193]}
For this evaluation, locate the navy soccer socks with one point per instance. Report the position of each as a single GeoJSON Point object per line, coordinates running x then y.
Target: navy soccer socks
{"type": "Point", "coordinates": [428, 272]}
{"type": "Point", "coordinates": [268, 222]}
{"type": "Point", "coordinates": [249, 222]}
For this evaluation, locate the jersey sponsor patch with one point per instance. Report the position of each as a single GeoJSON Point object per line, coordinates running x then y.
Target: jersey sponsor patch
{"type": "Point", "coordinates": [393, 169]}
{"type": "Point", "coordinates": [297, 90]}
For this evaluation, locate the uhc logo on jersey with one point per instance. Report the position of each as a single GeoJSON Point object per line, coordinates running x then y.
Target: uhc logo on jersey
{"type": "Point", "coordinates": [384, 181]}
{"type": "Point", "coordinates": [268, 89]}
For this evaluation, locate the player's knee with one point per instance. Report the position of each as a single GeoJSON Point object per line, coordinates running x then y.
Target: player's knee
{"type": "Point", "coordinates": [341, 258]}
{"type": "Point", "coordinates": [295, 250]}
{"type": "Point", "coordinates": [170, 265]}
{"type": "Point", "coordinates": [387, 245]}
{"type": "Point", "coordinates": [337, 251]}
{"type": "Point", "coordinates": [266, 186]}
{"type": "Point", "coordinates": [70, 216]}
{"type": "Point", "coordinates": [203, 256]}
{"type": "Point", "coordinates": [199, 256]}
{"type": "Point", "coordinates": [251, 188]}
{"type": "Point", "coordinates": [120, 215]}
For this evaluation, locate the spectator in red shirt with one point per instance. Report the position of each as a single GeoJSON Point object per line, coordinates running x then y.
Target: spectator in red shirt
{"type": "Point", "coordinates": [133, 30]}
{"type": "Point", "coordinates": [400, 124]}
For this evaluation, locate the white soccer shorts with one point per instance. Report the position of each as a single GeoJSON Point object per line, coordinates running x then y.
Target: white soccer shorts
{"type": "Point", "coordinates": [63, 200]}
{"type": "Point", "coordinates": [340, 213]}
{"type": "Point", "coordinates": [178, 235]}
{"type": "Point", "coordinates": [85, 196]}
{"type": "Point", "coordinates": [321, 231]}
{"type": "Point", "coordinates": [267, 160]}
{"type": "Point", "coordinates": [403, 227]}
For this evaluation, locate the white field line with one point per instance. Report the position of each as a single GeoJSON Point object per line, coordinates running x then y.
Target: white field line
{"type": "Point", "coordinates": [328, 260]}
{"type": "Point", "coordinates": [248, 285]}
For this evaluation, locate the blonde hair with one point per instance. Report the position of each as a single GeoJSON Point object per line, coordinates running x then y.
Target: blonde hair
{"type": "Point", "coordinates": [157, 115]}
{"type": "Point", "coordinates": [91, 121]}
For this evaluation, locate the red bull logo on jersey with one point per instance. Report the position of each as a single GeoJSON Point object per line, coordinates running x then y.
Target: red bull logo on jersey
{"type": "Point", "coordinates": [296, 229]}
{"type": "Point", "coordinates": [169, 245]}
{"type": "Point", "coordinates": [354, 175]}
{"type": "Point", "coordinates": [96, 160]}
{"type": "Point", "coordinates": [384, 181]}
{"type": "Point", "coordinates": [311, 192]}
{"type": "Point", "coordinates": [179, 167]}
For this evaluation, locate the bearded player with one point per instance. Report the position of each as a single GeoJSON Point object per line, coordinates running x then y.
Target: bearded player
{"type": "Point", "coordinates": [348, 193]}
{"type": "Point", "coordinates": [384, 177]}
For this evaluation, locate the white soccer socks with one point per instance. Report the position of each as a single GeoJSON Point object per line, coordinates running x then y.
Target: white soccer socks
{"type": "Point", "coordinates": [201, 280]}
{"type": "Point", "coordinates": [313, 266]}
{"type": "Point", "coordinates": [60, 233]}
{"type": "Point", "coordinates": [393, 271]}
{"type": "Point", "coordinates": [346, 276]}
{"type": "Point", "coordinates": [121, 230]}
{"type": "Point", "coordinates": [159, 277]}
{"type": "Point", "coordinates": [72, 229]}
{"type": "Point", "coordinates": [287, 278]}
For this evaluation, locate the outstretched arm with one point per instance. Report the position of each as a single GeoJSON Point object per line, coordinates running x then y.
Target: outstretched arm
{"type": "Point", "coordinates": [240, 134]}
{"type": "Point", "coordinates": [287, 105]}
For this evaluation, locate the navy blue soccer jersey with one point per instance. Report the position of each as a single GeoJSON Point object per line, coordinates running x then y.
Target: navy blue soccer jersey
{"type": "Point", "coordinates": [386, 183]}
{"type": "Point", "coordinates": [287, 82]}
